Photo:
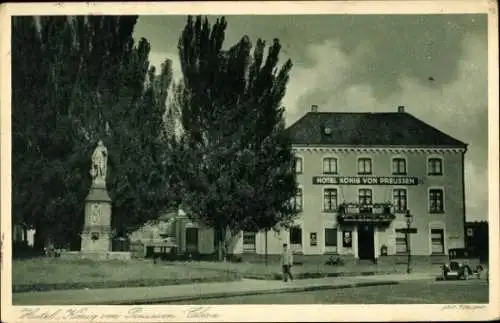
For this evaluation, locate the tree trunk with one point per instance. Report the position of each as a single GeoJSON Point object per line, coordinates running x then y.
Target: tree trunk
{"type": "Point", "coordinates": [220, 239]}
{"type": "Point", "coordinates": [39, 243]}
{"type": "Point", "coordinates": [39, 238]}
{"type": "Point", "coordinates": [265, 242]}
{"type": "Point", "coordinates": [220, 251]}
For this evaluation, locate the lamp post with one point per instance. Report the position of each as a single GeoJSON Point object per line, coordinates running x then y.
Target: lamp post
{"type": "Point", "coordinates": [409, 219]}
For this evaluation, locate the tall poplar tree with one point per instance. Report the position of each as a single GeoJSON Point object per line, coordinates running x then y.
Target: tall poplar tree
{"type": "Point", "coordinates": [76, 80]}
{"type": "Point", "coordinates": [238, 172]}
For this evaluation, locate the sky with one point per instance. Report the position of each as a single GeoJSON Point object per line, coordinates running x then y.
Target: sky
{"type": "Point", "coordinates": [434, 65]}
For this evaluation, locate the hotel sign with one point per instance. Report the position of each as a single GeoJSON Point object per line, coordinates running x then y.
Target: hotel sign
{"type": "Point", "coordinates": [363, 180]}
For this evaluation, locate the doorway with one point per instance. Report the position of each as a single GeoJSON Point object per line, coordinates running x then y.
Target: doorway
{"type": "Point", "coordinates": [366, 244]}
{"type": "Point", "coordinates": [192, 240]}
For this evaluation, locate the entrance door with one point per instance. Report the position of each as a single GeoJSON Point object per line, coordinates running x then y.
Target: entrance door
{"type": "Point", "coordinates": [366, 245]}
{"type": "Point", "coordinates": [437, 239]}
{"type": "Point", "coordinates": [192, 239]}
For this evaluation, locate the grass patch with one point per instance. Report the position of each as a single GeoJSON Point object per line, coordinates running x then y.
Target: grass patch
{"type": "Point", "coordinates": [42, 274]}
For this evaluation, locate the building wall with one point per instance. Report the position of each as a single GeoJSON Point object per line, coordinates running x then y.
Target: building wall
{"type": "Point", "coordinates": [314, 219]}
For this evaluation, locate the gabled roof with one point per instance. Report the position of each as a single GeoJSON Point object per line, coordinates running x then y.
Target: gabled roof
{"type": "Point", "coordinates": [368, 129]}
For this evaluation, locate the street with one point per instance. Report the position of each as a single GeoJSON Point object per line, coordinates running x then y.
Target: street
{"type": "Point", "coordinates": [415, 292]}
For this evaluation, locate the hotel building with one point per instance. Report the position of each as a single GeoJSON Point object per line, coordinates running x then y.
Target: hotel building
{"type": "Point", "coordinates": [361, 177]}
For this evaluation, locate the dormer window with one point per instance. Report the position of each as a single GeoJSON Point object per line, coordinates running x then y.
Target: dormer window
{"type": "Point", "coordinates": [327, 131]}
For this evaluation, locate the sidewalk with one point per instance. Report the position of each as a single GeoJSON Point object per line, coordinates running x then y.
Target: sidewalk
{"type": "Point", "coordinates": [166, 294]}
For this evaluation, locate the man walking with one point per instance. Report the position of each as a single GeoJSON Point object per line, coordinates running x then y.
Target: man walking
{"type": "Point", "coordinates": [287, 262]}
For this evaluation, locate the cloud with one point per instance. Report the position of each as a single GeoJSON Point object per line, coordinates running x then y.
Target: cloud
{"type": "Point", "coordinates": [457, 107]}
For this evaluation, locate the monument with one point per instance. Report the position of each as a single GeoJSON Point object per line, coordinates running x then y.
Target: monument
{"type": "Point", "coordinates": [96, 236]}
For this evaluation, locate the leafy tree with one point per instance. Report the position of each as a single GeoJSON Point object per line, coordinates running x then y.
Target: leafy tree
{"type": "Point", "coordinates": [238, 172]}
{"type": "Point", "coordinates": [76, 80]}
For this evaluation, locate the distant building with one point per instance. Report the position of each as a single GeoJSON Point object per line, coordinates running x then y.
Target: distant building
{"type": "Point", "coordinates": [476, 238]}
{"type": "Point", "coordinates": [359, 174]}
{"type": "Point", "coordinates": [21, 233]}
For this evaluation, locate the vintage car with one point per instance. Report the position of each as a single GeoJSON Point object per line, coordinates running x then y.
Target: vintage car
{"type": "Point", "coordinates": [462, 264]}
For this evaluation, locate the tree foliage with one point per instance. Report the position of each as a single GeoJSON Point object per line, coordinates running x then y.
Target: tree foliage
{"type": "Point", "coordinates": [76, 80]}
{"type": "Point", "coordinates": [238, 172]}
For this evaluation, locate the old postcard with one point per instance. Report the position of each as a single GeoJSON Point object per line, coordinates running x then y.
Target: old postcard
{"type": "Point", "coordinates": [250, 161]}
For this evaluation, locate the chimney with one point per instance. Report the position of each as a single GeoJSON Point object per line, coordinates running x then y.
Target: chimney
{"type": "Point", "coordinates": [314, 108]}
{"type": "Point", "coordinates": [401, 109]}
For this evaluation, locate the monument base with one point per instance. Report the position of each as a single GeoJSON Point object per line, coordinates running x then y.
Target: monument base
{"type": "Point", "coordinates": [98, 241]}
{"type": "Point", "coordinates": [97, 256]}
{"type": "Point", "coordinates": [97, 234]}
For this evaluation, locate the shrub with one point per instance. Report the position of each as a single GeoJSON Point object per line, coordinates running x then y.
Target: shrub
{"type": "Point", "coordinates": [335, 261]}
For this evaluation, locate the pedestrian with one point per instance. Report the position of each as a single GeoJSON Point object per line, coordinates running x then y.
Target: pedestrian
{"type": "Point", "coordinates": [287, 262]}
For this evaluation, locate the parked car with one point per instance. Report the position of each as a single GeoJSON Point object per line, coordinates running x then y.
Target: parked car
{"type": "Point", "coordinates": [462, 264]}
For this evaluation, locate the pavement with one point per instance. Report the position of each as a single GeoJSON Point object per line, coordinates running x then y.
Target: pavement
{"type": "Point", "coordinates": [176, 293]}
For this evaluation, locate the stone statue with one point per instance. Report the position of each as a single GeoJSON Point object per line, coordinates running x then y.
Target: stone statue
{"type": "Point", "coordinates": [99, 163]}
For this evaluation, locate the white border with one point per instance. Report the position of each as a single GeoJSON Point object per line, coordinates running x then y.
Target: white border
{"type": "Point", "coordinates": [272, 313]}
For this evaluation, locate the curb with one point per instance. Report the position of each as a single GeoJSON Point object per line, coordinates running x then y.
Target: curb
{"type": "Point", "coordinates": [300, 276]}
{"type": "Point", "coordinates": [173, 299]}
{"type": "Point", "coordinates": [28, 288]}
{"type": "Point", "coordinates": [320, 275]}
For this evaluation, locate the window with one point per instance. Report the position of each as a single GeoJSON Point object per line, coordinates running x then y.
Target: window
{"type": "Point", "coordinates": [398, 166]}
{"type": "Point", "coordinates": [297, 201]}
{"type": "Point", "coordinates": [298, 165]}
{"type": "Point", "coordinates": [249, 241]}
{"type": "Point", "coordinates": [436, 201]}
{"type": "Point", "coordinates": [401, 243]}
{"type": "Point", "coordinates": [330, 199]}
{"type": "Point", "coordinates": [364, 166]}
{"type": "Point", "coordinates": [435, 166]}
{"type": "Point", "coordinates": [330, 237]}
{"type": "Point", "coordinates": [330, 165]}
{"type": "Point", "coordinates": [437, 241]}
{"type": "Point", "coordinates": [365, 196]}
{"type": "Point", "coordinates": [399, 200]}
{"type": "Point", "coordinates": [295, 236]}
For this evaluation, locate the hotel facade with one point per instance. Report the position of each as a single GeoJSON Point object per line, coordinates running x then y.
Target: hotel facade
{"type": "Point", "coordinates": [370, 184]}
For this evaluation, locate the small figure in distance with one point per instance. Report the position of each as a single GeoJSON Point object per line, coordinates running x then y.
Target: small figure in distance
{"type": "Point", "coordinates": [287, 262]}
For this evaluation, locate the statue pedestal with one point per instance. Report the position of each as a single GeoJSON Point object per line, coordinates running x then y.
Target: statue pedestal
{"type": "Point", "coordinates": [96, 235]}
